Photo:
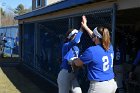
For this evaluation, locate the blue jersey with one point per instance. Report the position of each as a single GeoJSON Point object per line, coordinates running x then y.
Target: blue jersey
{"type": "Point", "coordinates": [68, 52]}
{"type": "Point", "coordinates": [119, 53]}
{"type": "Point", "coordinates": [137, 59]}
{"type": "Point", "coordinates": [99, 63]}
{"type": "Point", "coordinates": [118, 56]}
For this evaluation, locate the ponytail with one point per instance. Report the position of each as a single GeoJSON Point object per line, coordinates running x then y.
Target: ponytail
{"type": "Point", "coordinates": [106, 39]}
{"type": "Point", "coordinates": [103, 36]}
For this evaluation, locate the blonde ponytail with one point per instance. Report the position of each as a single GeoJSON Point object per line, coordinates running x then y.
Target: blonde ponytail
{"type": "Point", "coordinates": [105, 39]}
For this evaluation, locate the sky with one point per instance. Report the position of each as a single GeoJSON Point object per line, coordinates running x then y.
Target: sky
{"type": "Point", "coordinates": [14, 3]}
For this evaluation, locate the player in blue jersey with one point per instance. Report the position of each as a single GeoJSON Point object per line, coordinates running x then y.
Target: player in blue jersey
{"type": "Point", "coordinates": [66, 78]}
{"type": "Point", "coordinates": [119, 59]}
{"type": "Point", "coordinates": [136, 61]}
{"type": "Point", "coordinates": [99, 60]}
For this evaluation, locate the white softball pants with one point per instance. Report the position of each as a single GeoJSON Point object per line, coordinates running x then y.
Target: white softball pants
{"type": "Point", "coordinates": [109, 86]}
{"type": "Point", "coordinates": [67, 81]}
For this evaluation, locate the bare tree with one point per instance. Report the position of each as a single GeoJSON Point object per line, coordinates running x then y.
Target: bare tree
{"type": "Point", "coordinates": [2, 12]}
{"type": "Point", "coordinates": [8, 20]}
{"type": "Point", "coordinates": [7, 17]}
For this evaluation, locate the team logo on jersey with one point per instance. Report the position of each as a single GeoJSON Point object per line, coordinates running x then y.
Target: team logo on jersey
{"type": "Point", "coordinates": [118, 54]}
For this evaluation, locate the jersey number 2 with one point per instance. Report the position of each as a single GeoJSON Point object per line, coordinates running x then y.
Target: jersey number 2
{"type": "Point", "coordinates": [106, 62]}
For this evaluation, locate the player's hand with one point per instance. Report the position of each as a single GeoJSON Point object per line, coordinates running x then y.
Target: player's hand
{"type": "Point", "coordinates": [70, 62]}
{"type": "Point", "coordinates": [84, 22]}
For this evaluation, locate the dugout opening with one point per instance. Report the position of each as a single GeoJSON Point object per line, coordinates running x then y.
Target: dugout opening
{"type": "Point", "coordinates": [128, 24]}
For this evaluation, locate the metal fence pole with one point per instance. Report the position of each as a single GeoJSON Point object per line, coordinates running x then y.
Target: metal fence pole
{"type": "Point", "coordinates": [114, 24]}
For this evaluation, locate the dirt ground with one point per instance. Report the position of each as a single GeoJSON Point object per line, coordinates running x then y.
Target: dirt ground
{"type": "Point", "coordinates": [12, 81]}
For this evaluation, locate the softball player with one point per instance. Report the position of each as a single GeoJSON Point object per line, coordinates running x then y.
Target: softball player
{"type": "Point", "coordinates": [119, 59]}
{"type": "Point", "coordinates": [136, 61]}
{"type": "Point", "coordinates": [99, 61]}
{"type": "Point", "coordinates": [66, 79]}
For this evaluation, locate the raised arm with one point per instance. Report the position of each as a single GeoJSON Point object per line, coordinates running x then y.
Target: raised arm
{"type": "Point", "coordinates": [84, 25]}
{"type": "Point", "coordinates": [76, 39]}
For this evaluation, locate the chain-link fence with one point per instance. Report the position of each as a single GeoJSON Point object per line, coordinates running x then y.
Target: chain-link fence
{"type": "Point", "coordinates": [43, 41]}
{"type": "Point", "coordinates": [28, 43]}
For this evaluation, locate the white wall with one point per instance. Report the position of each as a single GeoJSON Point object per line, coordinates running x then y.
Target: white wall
{"type": "Point", "coordinates": [49, 2]}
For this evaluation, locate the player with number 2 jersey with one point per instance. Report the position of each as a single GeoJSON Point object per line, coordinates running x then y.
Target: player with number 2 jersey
{"type": "Point", "coordinates": [99, 60]}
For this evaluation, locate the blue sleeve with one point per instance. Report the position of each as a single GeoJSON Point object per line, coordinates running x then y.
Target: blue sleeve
{"type": "Point", "coordinates": [75, 40]}
{"type": "Point", "coordinates": [137, 59]}
{"type": "Point", "coordinates": [67, 46]}
{"type": "Point", "coordinates": [86, 57]}
{"type": "Point", "coordinates": [68, 55]}
{"type": "Point", "coordinates": [64, 50]}
{"type": "Point", "coordinates": [72, 53]}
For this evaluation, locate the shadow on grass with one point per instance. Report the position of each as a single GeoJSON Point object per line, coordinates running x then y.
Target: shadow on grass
{"type": "Point", "coordinates": [26, 81]}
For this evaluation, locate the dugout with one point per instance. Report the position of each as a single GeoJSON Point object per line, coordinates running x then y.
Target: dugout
{"type": "Point", "coordinates": [42, 31]}
{"type": "Point", "coordinates": [128, 25]}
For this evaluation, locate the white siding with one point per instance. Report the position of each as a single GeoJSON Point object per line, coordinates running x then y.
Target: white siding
{"type": "Point", "coordinates": [49, 2]}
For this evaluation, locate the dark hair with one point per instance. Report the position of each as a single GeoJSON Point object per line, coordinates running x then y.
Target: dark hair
{"type": "Point", "coordinates": [67, 34]}
{"type": "Point", "coordinates": [105, 40]}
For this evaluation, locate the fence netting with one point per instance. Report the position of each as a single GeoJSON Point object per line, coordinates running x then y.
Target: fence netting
{"type": "Point", "coordinates": [43, 41]}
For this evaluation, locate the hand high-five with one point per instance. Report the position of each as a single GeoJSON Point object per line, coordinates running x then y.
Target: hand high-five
{"type": "Point", "coordinates": [84, 26]}
{"type": "Point", "coordinates": [84, 22]}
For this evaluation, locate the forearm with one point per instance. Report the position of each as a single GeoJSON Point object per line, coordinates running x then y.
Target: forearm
{"type": "Point", "coordinates": [78, 36]}
{"type": "Point", "coordinates": [89, 31]}
{"type": "Point", "coordinates": [84, 26]}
